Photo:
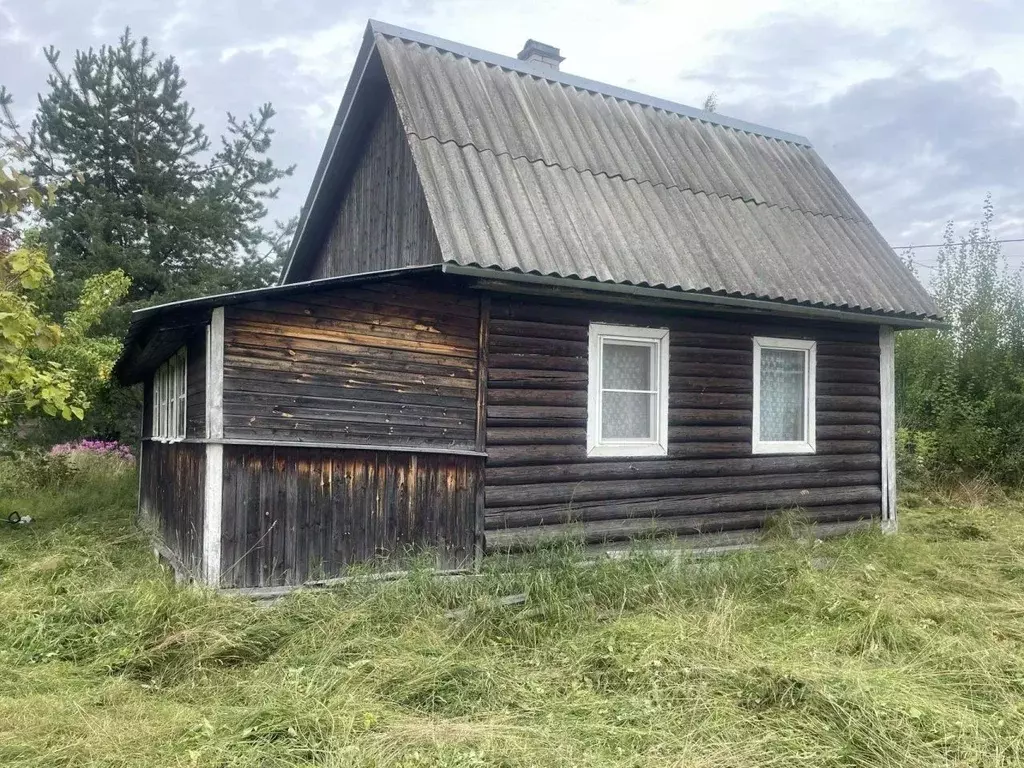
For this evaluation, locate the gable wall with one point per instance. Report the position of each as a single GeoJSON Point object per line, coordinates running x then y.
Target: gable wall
{"type": "Point", "coordinates": [538, 475]}
{"type": "Point", "coordinates": [382, 220]}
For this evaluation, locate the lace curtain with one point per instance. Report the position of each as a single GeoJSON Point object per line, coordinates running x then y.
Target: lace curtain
{"type": "Point", "coordinates": [627, 414]}
{"type": "Point", "coordinates": [782, 394]}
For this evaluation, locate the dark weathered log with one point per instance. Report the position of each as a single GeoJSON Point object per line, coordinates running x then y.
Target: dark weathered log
{"type": "Point", "coordinates": [849, 432]}
{"type": "Point", "coordinates": [518, 345]}
{"type": "Point", "coordinates": [848, 403]}
{"type": "Point", "coordinates": [606, 491]}
{"type": "Point", "coordinates": [669, 506]}
{"type": "Point", "coordinates": [848, 417]}
{"type": "Point", "coordinates": [537, 397]}
{"type": "Point", "coordinates": [277, 384]}
{"type": "Point", "coordinates": [842, 389]}
{"type": "Point", "coordinates": [520, 455]}
{"type": "Point", "coordinates": [538, 362]}
{"type": "Point", "coordinates": [682, 525]}
{"type": "Point", "coordinates": [660, 467]}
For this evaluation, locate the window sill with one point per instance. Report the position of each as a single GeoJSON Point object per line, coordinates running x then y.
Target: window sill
{"type": "Point", "coordinates": [626, 451]}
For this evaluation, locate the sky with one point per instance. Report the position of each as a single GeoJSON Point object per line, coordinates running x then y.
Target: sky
{"type": "Point", "coordinates": [916, 105]}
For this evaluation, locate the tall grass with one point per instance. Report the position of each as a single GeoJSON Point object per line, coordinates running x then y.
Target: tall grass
{"type": "Point", "coordinates": [869, 651]}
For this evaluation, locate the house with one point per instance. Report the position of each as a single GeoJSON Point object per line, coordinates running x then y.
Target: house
{"type": "Point", "coordinates": [521, 303]}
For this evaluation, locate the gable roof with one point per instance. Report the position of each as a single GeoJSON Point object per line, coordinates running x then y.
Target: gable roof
{"type": "Point", "coordinates": [527, 169]}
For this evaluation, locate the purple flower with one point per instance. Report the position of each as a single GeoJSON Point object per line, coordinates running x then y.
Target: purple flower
{"type": "Point", "coordinates": [110, 448]}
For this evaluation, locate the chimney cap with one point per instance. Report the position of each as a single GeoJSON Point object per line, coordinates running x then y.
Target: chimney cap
{"type": "Point", "coordinates": [541, 53]}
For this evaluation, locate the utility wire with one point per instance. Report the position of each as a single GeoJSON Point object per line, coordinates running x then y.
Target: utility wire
{"type": "Point", "coordinates": [943, 245]}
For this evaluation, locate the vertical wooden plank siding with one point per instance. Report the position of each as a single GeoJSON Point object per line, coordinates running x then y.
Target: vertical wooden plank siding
{"type": "Point", "coordinates": [887, 374]}
{"type": "Point", "coordinates": [539, 478]}
{"type": "Point", "coordinates": [389, 363]}
{"type": "Point", "coordinates": [382, 220]}
{"type": "Point", "coordinates": [293, 515]}
{"type": "Point", "coordinates": [171, 500]}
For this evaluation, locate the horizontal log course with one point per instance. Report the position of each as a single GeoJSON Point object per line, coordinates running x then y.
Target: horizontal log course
{"type": "Point", "coordinates": [248, 341]}
{"type": "Point", "coordinates": [523, 455]}
{"type": "Point", "coordinates": [499, 436]}
{"type": "Point", "coordinates": [277, 384]}
{"type": "Point", "coordinates": [410, 324]}
{"type": "Point", "coordinates": [566, 496]}
{"type": "Point", "coordinates": [337, 330]}
{"type": "Point", "coordinates": [660, 467]}
{"type": "Point", "coordinates": [681, 525]}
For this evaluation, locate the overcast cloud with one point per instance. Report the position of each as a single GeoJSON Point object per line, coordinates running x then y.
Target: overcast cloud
{"type": "Point", "coordinates": [918, 106]}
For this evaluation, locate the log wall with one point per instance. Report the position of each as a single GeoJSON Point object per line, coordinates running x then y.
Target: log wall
{"type": "Point", "coordinates": [171, 500]}
{"type": "Point", "coordinates": [538, 477]}
{"type": "Point", "coordinates": [382, 220]}
{"type": "Point", "coordinates": [384, 363]}
{"type": "Point", "coordinates": [292, 515]}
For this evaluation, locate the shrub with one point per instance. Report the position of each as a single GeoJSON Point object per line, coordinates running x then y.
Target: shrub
{"type": "Point", "coordinates": [960, 391]}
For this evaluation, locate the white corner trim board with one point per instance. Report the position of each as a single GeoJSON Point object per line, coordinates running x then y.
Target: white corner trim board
{"type": "Point", "coordinates": [214, 471]}
{"type": "Point", "coordinates": [212, 501]}
{"type": "Point", "coordinates": [887, 379]}
{"type": "Point", "coordinates": [215, 374]}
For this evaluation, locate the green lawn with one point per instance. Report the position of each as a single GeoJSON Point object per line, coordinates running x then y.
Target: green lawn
{"type": "Point", "coordinates": [870, 651]}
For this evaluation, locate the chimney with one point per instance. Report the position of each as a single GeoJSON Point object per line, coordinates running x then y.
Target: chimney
{"type": "Point", "coordinates": [539, 53]}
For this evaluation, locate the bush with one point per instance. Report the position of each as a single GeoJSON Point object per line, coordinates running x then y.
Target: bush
{"type": "Point", "coordinates": [960, 391]}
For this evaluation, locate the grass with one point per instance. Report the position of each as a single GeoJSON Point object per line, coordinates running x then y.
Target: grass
{"type": "Point", "coordinates": [868, 651]}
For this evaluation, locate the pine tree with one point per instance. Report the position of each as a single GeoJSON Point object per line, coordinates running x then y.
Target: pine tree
{"type": "Point", "coordinates": [180, 216]}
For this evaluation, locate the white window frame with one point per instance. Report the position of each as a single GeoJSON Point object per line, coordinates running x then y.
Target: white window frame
{"type": "Point", "coordinates": [657, 340]}
{"type": "Point", "coordinates": [807, 445]}
{"type": "Point", "coordinates": [170, 398]}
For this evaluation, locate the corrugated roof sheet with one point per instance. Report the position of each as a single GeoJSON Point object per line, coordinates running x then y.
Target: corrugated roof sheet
{"type": "Point", "coordinates": [526, 173]}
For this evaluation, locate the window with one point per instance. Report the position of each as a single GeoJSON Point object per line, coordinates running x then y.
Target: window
{"type": "Point", "coordinates": [627, 388]}
{"type": "Point", "coordinates": [783, 396]}
{"type": "Point", "coordinates": [169, 398]}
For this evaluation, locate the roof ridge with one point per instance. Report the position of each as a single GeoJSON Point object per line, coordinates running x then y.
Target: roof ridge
{"type": "Point", "coordinates": [638, 181]}
{"type": "Point", "coordinates": [575, 81]}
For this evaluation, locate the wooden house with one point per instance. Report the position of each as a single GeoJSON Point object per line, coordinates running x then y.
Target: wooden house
{"type": "Point", "coordinates": [522, 304]}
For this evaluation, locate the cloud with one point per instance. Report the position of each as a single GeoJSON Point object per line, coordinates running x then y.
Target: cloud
{"type": "Point", "coordinates": [917, 106]}
{"type": "Point", "coordinates": [918, 137]}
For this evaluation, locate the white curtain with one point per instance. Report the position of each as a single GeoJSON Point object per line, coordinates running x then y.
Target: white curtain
{"type": "Point", "coordinates": [782, 394]}
{"type": "Point", "coordinates": [627, 414]}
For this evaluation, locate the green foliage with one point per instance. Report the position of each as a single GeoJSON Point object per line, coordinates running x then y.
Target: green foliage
{"type": "Point", "coordinates": [45, 366]}
{"type": "Point", "coordinates": [157, 200]}
{"type": "Point", "coordinates": [960, 392]}
{"type": "Point", "coordinates": [178, 214]}
{"type": "Point", "coordinates": [867, 651]}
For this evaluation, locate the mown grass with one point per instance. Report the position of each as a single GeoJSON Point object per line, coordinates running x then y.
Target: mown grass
{"type": "Point", "coordinates": [868, 651]}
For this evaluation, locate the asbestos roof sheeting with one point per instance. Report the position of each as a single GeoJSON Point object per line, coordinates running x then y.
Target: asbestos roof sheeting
{"type": "Point", "coordinates": [512, 214]}
{"type": "Point", "coordinates": [539, 173]}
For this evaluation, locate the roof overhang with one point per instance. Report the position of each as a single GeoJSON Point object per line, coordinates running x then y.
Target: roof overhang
{"type": "Point", "coordinates": [569, 287]}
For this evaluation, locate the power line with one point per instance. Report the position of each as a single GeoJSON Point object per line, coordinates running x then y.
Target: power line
{"type": "Point", "coordinates": [943, 245]}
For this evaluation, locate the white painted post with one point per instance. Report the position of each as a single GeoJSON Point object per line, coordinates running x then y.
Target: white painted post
{"type": "Point", "coordinates": [213, 492]}
{"type": "Point", "coordinates": [887, 376]}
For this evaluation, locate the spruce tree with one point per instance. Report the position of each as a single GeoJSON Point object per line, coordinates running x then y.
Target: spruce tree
{"type": "Point", "coordinates": [180, 215]}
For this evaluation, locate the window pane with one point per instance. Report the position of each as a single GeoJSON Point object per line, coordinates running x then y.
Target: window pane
{"type": "Point", "coordinates": [626, 366]}
{"type": "Point", "coordinates": [782, 394]}
{"type": "Point", "coordinates": [626, 415]}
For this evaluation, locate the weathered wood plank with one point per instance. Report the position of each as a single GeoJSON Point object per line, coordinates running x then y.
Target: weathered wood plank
{"type": "Point", "coordinates": [310, 513]}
